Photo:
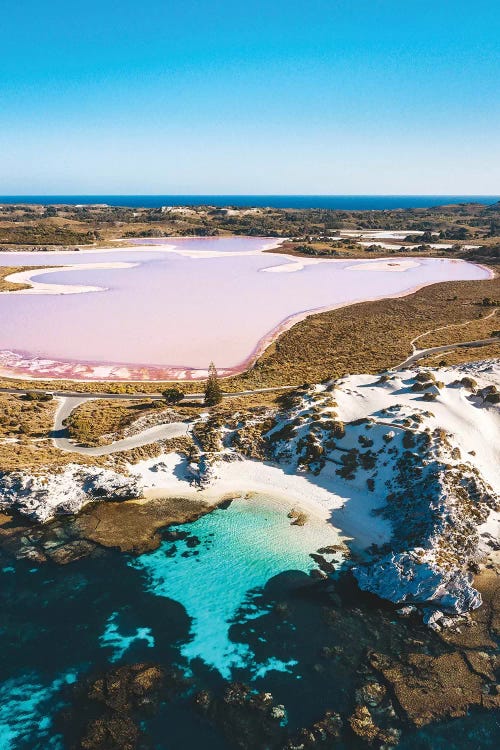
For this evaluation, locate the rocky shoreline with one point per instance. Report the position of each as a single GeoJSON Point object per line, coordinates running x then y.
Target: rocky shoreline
{"type": "Point", "coordinates": [424, 679]}
{"type": "Point", "coordinates": [400, 443]}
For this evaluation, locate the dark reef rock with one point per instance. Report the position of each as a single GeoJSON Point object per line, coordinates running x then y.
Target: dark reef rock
{"type": "Point", "coordinates": [113, 705]}
{"type": "Point", "coordinates": [324, 733]}
{"type": "Point", "coordinates": [250, 720]}
{"type": "Point", "coordinates": [429, 688]}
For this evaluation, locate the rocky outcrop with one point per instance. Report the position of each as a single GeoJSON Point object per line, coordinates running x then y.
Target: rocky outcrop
{"type": "Point", "coordinates": [120, 699]}
{"type": "Point", "coordinates": [42, 496]}
{"type": "Point", "coordinates": [405, 577]}
{"type": "Point", "coordinates": [429, 687]}
{"type": "Point", "coordinates": [435, 504]}
{"type": "Point", "coordinates": [250, 720]}
{"type": "Point", "coordinates": [436, 497]}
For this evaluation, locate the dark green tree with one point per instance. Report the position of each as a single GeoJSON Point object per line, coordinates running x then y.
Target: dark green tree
{"type": "Point", "coordinates": [213, 391]}
{"type": "Point", "coordinates": [173, 396]}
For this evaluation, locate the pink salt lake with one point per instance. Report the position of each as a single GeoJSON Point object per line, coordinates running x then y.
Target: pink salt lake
{"type": "Point", "coordinates": [181, 303]}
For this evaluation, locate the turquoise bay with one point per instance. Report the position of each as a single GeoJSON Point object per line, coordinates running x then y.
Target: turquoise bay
{"type": "Point", "coordinates": [240, 548]}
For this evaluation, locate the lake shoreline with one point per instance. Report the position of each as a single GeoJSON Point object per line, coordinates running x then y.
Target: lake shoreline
{"type": "Point", "coordinates": [22, 365]}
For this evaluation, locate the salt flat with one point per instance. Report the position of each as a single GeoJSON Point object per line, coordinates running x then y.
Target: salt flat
{"type": "Point", "coordinates": [165, 310]}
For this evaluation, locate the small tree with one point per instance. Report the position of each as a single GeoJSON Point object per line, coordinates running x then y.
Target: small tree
{"type": "Point", "coordinates": [173, 396]}
{"type": "Point", "coordinates": [213, 391]}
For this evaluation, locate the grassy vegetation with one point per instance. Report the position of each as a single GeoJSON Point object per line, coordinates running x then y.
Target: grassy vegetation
{"type": "Point", "coordinates": [44, 233]}
{"type": "Point", "coordinates": [104, 420]}
{"type": "Point", "coordinates": [475, 329]}
{"type": "Point", "coordinates": [19, 416]}
{"type": "Point", "coordinates": [41, 456]}
{"type": "Point", "coordinates": [65, 225]}
{"type": "Point", "coordinates": [92, 420]}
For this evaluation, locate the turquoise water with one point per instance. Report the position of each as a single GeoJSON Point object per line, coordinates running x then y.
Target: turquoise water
{"type": "Point", "coordinates": [229, 595]}
{"type": "Point", "coordinates": [240, 548]}
{"type": "Point", "coordinates": [176, 605]}
{"type": "Point", "coordinates": [120, 643]}
{"type": "Point", "coordinates": [23, 710]}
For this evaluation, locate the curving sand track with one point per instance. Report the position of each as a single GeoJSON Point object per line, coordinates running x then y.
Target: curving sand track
{"type": "Point", "coordinates": [151, 435]}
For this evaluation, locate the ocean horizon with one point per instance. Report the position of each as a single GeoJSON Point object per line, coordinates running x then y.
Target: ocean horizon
{"type": "Point", "coordinates": [332, 202]}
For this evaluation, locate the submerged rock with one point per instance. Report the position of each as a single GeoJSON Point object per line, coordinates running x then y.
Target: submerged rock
{"type": "Point", "coordinates": [248, 719]}
{"type": "Point", "coordinates": [322, 733]}
{"type": "Point", "coordinates": [363, 725]}
{"type": "Point", "coordinates": [120, 698]}
{"type": "Point", "coordinates": [429, 687]}
{"type": "Point", "coordinates": [372, 693]}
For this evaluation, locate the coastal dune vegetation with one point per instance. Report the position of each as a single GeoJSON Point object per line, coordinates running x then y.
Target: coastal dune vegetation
{"type": "Point", "coordinates": [311, 229]}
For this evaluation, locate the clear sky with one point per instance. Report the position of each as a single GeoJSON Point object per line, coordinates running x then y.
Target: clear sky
{"type": "Point", "coordinates": [263, 96]}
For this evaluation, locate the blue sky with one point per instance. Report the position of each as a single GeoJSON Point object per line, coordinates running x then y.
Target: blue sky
{"type": "Point", "coordinates": [267, 96]}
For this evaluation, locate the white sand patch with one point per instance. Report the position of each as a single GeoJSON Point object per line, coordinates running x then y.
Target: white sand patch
{"type": "Point", "coordinates": [298, 265]}
{"type": "Point", "coordinates": [327, 498]}
{"type": "Point", "coordinates": [384, 265]}
{"type": "Point", "coordinates": [382, 234]}
{"type": "Point", "coordinates": [475, 426]}
{"type": "Point", "coordinates": [42, 287]}
{"type": "Point", "coordinates": [491, 529]}
{"type": "Point", "coordinates": [387, 245]}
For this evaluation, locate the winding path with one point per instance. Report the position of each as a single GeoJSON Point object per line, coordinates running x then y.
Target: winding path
{"type": "Point", "coordinates": [421, 353]}
{"type": "Point", "coordinates": [151, 435]}
{"type": "Point", "coordinates": [448, 326]}
{"type": "Point", "coordinates": [70, 401]}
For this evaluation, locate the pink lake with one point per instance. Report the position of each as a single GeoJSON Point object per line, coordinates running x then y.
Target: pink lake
{"type": "Point", "coordinates": [184, 303]}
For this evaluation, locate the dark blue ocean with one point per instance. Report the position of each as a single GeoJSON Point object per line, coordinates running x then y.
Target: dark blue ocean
{"type": "Point", "coordinates": [339, 202]}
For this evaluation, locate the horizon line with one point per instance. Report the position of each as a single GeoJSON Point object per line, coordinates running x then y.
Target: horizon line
{"type": "Point", "coordinates": [255, 195]}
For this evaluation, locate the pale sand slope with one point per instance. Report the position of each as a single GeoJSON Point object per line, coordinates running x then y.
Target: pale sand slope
{"type": "Point", "coordinates": [475, 426]}
{"type": "Point", "coordinates": [169, 476]}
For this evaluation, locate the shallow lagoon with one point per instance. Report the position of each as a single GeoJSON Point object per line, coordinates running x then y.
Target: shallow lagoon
{"type": "Point", "coordinates": [239, 550]}
{"type": "Point", "coordinates": [185, 304]}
